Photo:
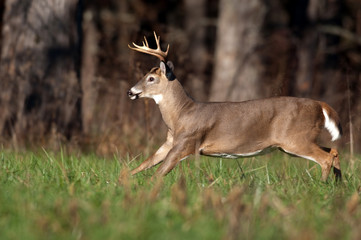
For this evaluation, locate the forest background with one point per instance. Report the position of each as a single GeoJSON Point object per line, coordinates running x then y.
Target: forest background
{"type": "Point", "coordinates": [65, 66]}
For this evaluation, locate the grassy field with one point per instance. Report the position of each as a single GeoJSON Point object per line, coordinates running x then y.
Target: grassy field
{"type": "Point", "coordinates": [53, 196]}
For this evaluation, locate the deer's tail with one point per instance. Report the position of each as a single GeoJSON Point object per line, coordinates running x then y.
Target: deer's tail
{"type": "Point", "coordinates": [332, 121]}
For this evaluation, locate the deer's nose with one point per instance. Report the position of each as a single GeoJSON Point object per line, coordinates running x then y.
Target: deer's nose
{"type": "Point", "coordinates": [133, 95]}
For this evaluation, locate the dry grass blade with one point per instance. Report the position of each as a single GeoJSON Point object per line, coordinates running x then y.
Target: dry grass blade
{"type": "Point", "coordinates": [353, 203]}
{"type": "Point", "coordinates": [154, 193]}
{"type": "Point", "coordinates": [236, 211]}
{"type": "Point", "coordinates": [179, 196]}
{"type": "Point", "coordinates": [211, 201]}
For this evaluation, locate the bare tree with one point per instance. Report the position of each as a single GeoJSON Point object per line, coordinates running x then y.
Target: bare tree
{"type": "Point", "coordinates": [237, 65]}
{"type": "Point", "coordinates": [195, 11]}
{"type": "Point", "coordinates": [39, 78]}
{"type": "Point", "coordinates": [88, 70]}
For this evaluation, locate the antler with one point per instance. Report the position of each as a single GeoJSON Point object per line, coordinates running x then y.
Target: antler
{"type": "Point", "coordinates": [155, 52]}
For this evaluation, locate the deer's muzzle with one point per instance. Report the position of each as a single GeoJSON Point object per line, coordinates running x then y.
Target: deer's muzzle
{"type": "Point", "coordinates": [132, 95]}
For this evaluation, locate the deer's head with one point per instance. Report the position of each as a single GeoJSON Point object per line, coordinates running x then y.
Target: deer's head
{"type": "Point", "coordinates": [154, 83]}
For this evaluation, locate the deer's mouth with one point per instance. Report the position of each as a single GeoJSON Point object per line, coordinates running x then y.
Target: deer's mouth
{"type": "Point", "coordinates": [133, 95]}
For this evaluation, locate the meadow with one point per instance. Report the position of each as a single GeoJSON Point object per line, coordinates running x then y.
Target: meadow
{"type": "Point", "coordinates": [46, 195]}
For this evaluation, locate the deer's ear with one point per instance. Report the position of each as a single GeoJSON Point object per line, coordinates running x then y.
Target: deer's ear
{"type": "Point", "coordinates": [163, 67]}
{"type": "Point", "coordinates": [170, 65]}
{"type": "Point", "coordinates": [167, 70]}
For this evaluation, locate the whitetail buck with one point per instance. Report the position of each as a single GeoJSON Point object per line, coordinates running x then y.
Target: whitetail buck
{"type": "Point", "coordinates": [233, 129]}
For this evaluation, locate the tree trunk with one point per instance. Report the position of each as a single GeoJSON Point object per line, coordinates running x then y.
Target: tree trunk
{"type": "Point", "coordinates": [195, 11]}
{"type": "Point", "coordinates": [40, 88]}
{"type": "Point", "coordinates": [238, 67]}
{"type": "Point", "coordinates": [355, 127]}
{"type": "Point", "coordinates": [306, 56]}
{"type": "Point", "coordinates": [88, 72]}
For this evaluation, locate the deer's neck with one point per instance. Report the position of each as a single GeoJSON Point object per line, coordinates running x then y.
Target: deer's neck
{"type": "Point", "coordinates": [173, 103]}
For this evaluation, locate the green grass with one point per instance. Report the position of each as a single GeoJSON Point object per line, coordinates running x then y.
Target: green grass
{"type": "Point", "coordinates": [53, 196]}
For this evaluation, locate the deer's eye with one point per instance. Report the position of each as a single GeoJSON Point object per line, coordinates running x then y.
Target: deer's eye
{"type": "Point", "coordinates": [151, 79]}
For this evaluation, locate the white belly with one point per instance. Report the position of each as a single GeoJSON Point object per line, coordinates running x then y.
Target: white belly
{"type": "Point", "coordinates": [234, 155]}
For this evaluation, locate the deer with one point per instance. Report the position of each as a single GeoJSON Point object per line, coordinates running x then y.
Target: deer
{"type": "Point", "coordinates": [233, 129]}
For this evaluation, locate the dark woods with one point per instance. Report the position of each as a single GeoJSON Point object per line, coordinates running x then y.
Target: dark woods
{"type": "Point", "coordinates": [65, 65]}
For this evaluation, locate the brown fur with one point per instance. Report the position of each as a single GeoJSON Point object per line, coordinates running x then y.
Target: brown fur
{"type": "Point", "coordinates": [236, 128]}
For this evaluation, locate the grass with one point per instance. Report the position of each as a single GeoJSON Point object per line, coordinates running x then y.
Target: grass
{"type": "Point", "coordinates": [53, 196]}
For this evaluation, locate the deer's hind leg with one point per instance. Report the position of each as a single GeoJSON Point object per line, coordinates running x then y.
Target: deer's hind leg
{"type": "Point", "coordinates": [335, 163]}
{"type": "Point", "coordinates": [326, 159]}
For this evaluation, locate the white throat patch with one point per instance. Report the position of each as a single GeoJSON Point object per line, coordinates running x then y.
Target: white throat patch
{"type": "Point", "coordinates": [157, 98]}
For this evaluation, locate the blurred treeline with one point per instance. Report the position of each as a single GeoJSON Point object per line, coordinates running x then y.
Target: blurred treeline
{"type": "Point", "coordinates": [65, 65]}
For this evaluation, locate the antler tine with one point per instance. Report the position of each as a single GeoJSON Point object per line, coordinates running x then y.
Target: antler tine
{"type": "Point", "coordinates": [166, 52]}
{"type": "Point", "coordinates": [147, 50]}
{"type": "Point", "coordinates": [157, 40]}
{"type": "Point", "coordinates": [145, 39]}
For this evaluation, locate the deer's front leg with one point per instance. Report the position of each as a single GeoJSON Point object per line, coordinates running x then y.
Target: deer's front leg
{"type": "Point", "coordinates": [157, 157]}
{"type": "Point", "coordinates": [179, 151]}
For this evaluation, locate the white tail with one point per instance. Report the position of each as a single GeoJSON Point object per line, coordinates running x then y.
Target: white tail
{"type": "Point", "coordinates": [330, 125]}
{"type": "Point", "coordinates": [233, 129]}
